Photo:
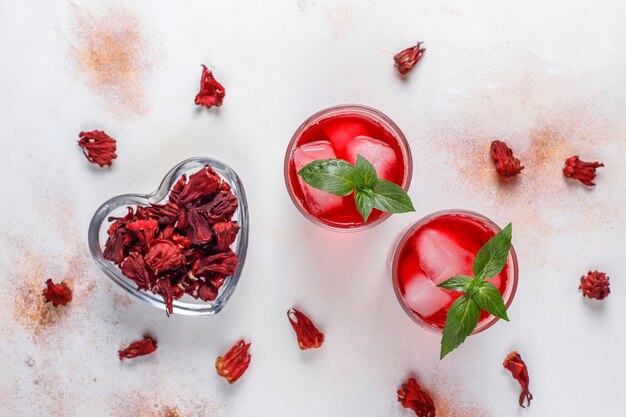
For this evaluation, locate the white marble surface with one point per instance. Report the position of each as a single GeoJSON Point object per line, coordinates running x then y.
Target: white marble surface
{"type": "Point", "coordinates": [547, 77]}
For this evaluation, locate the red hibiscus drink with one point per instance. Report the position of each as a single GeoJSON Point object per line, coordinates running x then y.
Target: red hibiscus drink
{"type": "Point", "coordinates": [343, 132]}
{"type": "Point", "coordinates": [436, 248]}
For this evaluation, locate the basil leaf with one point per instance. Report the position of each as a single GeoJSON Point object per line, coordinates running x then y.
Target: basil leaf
{"type": "Point", "coordinates": [364, 173]}
{"type": "Point", "coordinates": [457, 283]}
{"type": "Point", "coordinates": [364, 200]}
{"type": "Point", "coordinates": [390, 197]}
{"type": "Point", "coordinates": [493, 255]}
{"type": "Point", "coordinates": [335, 176]}
{"type": "Point", "coordinates": [489, 299]}
{"type": "Point", "coordinates": [461, 320]}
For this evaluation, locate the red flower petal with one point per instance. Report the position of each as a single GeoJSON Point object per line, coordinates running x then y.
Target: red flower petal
{"type": "Point", "coordinates": [517, 367]}
{"type": "Point", "coordinates": [506, 164]}
{"type": "Point", "coordinates": [134, 267]}
{"type": "Point", "coordinates": [225, 234]}
{"type": "Point", "coordinates": [219, 264]}
{"type": "Point", "coordinates": [234, 363]}
{"type": "Point", "coordinates": [98, 147]}
{"type": "Point", "coordinates": [309, 337]}
{"type": "Point", "coordinates": [584, 172]}
{"type": "Point", "coordinates": [413, 397]}
{"type": "Point", "coordinates": [211, 92]}
{"type": "Point", "coordinates": [164, 255]}
{"type": "Point", "coordinates": [203, 183]}
{"type": "Point", "coordinates": [57, 294]}
{"type": "Point", "coordinates": [145, 346]}
{"type": "Point", "coordinates": [595, 285]}
{"type": "Point", "coordinates": [406, 59]}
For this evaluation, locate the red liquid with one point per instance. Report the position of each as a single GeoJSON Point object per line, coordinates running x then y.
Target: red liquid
{"type": "Point", "coordinates": [439, 249]}
{"type": "Point", "coordinates": [344, 136]}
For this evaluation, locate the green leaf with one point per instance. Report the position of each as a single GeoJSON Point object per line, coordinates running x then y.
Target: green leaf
{"type": "Point", "coordinates": [489, 299]}
{"type": "Point", "coordinates": [364, 174]}
{"type": "Point", "coordinates": [457, 283]}
{"type": "Point", "coordinates": [461, 320]}
{"type": "Point", "coordinates": [493, 255]}
{"type": "Point", "coordinates": [334, 176]}
{"type": "Point", "coordinates": [364, 200]}
{"type": "Point", "coordinates": [390, 197]}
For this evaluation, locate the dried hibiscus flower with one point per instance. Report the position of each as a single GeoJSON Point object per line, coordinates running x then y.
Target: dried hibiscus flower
{"type": "Point", "coordinates": [142, 347]}
{"type": "Point", "coordinates": [234, 363]}
{"type": "Point", "coordinates": [211, 92]}
{"type": "Point", "coordinates": [595, 285]}
{"type": "Point", "coordinates": [413, 397]}
{"type": "Point", "coordinates": [309, 337]}
{"type": "Point", "coordinates": [517, 367]}
{"type": "Point", "coordinates": [57, 294]}
{"type": "Point", "coordinates": [180, 247]}
{"type": "Point", "coordinates": [584, 172]}
{"type": "Point", "coordinates": [507, 165]}
{"type": "Point", "coordinates": [98, 147]}
{"type": "Point", "coordinates": [406, 59]}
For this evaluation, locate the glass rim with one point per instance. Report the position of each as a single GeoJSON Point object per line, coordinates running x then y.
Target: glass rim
{"type": "Point", "coordinates": [510, 290]}
{"type": "Point", "coordinates": [360, 109]}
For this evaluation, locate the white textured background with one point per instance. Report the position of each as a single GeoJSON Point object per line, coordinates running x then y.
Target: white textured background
{"type": "Point", "coordinates": [547, 77]}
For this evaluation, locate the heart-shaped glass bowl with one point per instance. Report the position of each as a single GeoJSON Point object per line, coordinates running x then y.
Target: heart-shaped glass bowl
{"type": "Point", "coordinates": [116, 207]}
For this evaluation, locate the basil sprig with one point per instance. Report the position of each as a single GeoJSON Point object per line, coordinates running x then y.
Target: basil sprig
{"type": "Point", "coordinates": [478, 294]}
{"type": "Point", "coordinates": [339, 177]}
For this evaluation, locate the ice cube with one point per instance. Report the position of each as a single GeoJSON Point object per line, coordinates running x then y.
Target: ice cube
{"type": "Point", "coordinates": [423, 297]}
{"type": "Point", "coordinates": [340, 132]}
{"type": "Point", "coordinates": [317, 201]}
{"type": "Point", "coordinates": [381, 155]}
{"type": "Point", "coordinates": [441, 256]}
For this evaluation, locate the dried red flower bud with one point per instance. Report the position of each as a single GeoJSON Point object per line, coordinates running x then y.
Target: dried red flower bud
{"type": "Point", "coordinates": [584, 172]}
{"type": "Point", "coordinates": [143, 230]}
{"type": "Point", "coordinates": [507, 165]}
{"type": "Point", "coordinates": [211, 92]}
{"type": "Point", "coordinates": [234, 363]}
{"type": "Point", "coordinates": [98, 147]}
{"type": "Point", "coordinates": [221, 208]}
{"type": "Point", "coordinates": [203, 183]}
{"type": "Point", "coordinates": [413, 397]}
{"type": "Point", "coordinates": [517, 367]}
{"type": "Point", "coordinates": [134, 267]}
{"type": "Point", "coordinates": [145, 346]}
{"type": "Point", "coordinates": [225, 234]}
{"type": "Point", "coordinates": [595, 285]}
{"type": "Point", "coordinates": [406, 59]}
{"type": "Point", "coordinates": [164, 255]}
{"type": "Point", "coordinates": [163, 287]}
{"type": "Point", "coordinates": [309, 337]}
{"type": "Point", "coordinates": [199, 227]}
{"type": "Point", "coordinates": [219, 264]}
{"type": "Point", "coordinates": [57, 294]}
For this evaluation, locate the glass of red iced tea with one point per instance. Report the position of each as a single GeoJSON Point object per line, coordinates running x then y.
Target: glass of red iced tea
{"type": "Point", "coordinates": [343, 132]}
{"type": "Point", "coordinates": [436, 248]}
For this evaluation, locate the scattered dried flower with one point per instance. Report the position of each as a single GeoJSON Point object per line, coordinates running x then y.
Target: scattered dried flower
{"type": "Point", "coordinates": [406, 59]}
{"type": "Point", "coordinates": [517, 367]}
{"type": "Point", "coordinates": [584, 172]}
{"type": "Point", "coordinates": [142, 347]}
{"type": "Point", "coordinates": [413, 397]}
{"type": "Point", "coordinates": [183, 246]}
{"type": "Point", "coordinates": [507, 165]}
{"type": "Point", "coordinates": [57, 294]}
{"type": "Point", "coordinates": [234, 363]}
{"type": "Point", "coordinates": [309, 337]}
{"type": "Point", "coordinates": [98, 147]}
{"type": "Point", "coordinates": [211, 92]}
{"type": "Point", "coordinates": [595, 285]}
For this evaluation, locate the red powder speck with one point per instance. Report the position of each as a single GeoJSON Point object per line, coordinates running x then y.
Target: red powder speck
{"type": "Point", "coordinates": [111, 52]}
{"type": "Point", "coordinates": [142, 405]}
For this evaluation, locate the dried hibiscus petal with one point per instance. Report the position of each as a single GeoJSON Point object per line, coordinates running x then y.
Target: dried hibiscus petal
{"type": "Point", "coordinates": [221, 264]}
{"type": "Point", "coordinates": [225, 234]}
{"type": "Point", "coordinates": [142, 347]}
{"type": "Point", "coordinates": [221, 208]}
{"type": "Point", "coordinates": [506, 164]}
{"type": "Point", "coordinates": [595, 285]}
{"type": "Point", "coordinates": [211, 92]}
{"type": "Point", "coordinates": [517, 367]}
{"type": "Point", "coordinates": [199, 227]}
{"type": "Point", "coordinates": [203, 183]}
{"type": "Point", "coordinates": [98, 147]}
{"type": "Point", "coordinates": [134, 267]}
{"type": "Point", "coordinates": [164, 255]}
{"type": "Point", "coordinates": [57, 294]}
{"type": "Point", "coordinates": [413, 397]}
{"type": "Point", "coordinates": [584, 172]}
{"type": "Point", "coordinates": [406, 59]}
{"type": "Point", "coordinates": [143, 230]}
{"type": "Point", "coordinates": [234, 363]}
{"type": "Point", "coordinates": [309, 337]}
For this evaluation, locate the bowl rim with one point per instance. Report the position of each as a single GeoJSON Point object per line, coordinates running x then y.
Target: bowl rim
{"type": "Point", "coordinates": [101, 215]}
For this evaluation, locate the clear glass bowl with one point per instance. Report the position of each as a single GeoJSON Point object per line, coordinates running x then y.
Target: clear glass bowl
{"type": "Point", "coordinates": [509, 292]}
{"type": "Point", "coordinates": [348, 109]}
{"type": "Point", "coordinates": [116, 207]}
